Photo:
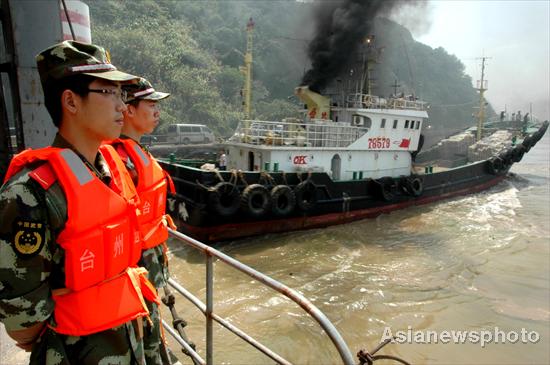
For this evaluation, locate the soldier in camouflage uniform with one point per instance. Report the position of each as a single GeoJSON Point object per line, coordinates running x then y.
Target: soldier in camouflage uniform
{"type": "Point", "coordinates": [141, 117]}
{"type": "Point", "coordinates": [77, 79]}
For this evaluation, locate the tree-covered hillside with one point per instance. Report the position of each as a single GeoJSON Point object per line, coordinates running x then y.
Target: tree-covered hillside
{"type": "Point", "coordinates": [193, 49]}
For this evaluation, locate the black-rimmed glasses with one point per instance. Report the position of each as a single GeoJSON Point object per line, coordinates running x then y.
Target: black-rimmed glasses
{"type": "Point", "coordinates": [120, 94]}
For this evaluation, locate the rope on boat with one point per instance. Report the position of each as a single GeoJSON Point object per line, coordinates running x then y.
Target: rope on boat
{"type": "Point", "coordinates": [299, 176]}
{"type": "Point", "coordinates": [241, 176]}
{"type": "Point", "coordinates": [218, 175]}
{"type": "Point", "coordinates": [369, 358]}
{"type": "Point", "coordinates": [284, 178]}
{"type": "Point", "coordinates": [267, 178]}
{"type": "Point", "coordinates": [234, 178]}
{"type": "Point", "coordinates": [211, 188]}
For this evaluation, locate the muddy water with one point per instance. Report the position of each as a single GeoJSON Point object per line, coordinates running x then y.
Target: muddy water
{"type": "Point", "coordinates": [472, 263]}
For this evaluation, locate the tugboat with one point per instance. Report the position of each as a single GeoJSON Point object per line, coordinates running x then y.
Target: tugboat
{"type": "Point", "coordinates": [351, 157]}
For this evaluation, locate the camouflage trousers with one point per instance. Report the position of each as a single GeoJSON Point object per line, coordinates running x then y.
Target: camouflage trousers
{"type": "Point", "coordinates": [156, 352]}
{"type": "Point", "coordinates": [117, 346]}
{"type": "Point", "coordinates": [154, 260]}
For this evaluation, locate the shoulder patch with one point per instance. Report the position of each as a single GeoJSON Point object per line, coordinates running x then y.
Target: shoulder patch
{"type": "Point", "coordinates": [29, 237]}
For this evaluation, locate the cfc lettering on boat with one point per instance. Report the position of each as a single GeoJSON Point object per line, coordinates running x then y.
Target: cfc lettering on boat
{"type": "Point", "coordinates": [299, 160]}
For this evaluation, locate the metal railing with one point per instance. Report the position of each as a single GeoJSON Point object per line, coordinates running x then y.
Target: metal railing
{"type": "Point", "coordinates": [376, 102]}
{"type": "Point", "coordinates": [310, 133]}
{"type": "Point", "coordinates": [208, 308]}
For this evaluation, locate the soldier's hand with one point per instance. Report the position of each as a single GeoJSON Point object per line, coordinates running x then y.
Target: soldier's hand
{"type": "Point", "coordinates": [26, 338]}
{"type": "Point", "coordinates": [25, 346]}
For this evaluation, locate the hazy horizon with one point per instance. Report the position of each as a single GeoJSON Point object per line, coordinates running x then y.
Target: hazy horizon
{"type": "Point", "coordinates": [514, 35]}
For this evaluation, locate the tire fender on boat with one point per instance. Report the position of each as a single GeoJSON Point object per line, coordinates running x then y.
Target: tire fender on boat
{"type": "Point", "coordinates": [255, 200]}
{"type": "Point", "coordinates": [306, 195]}
{"type": "Point", "coordinates": [386, 186]}
{"type": "Point", "coordinates": [283, 200]}
{"type": "Point", "coordinates": [415, 186]}
{"type": "Point", "coordinates": [224, 199]}
{"type": "Point", "coordinates": [495, 165]}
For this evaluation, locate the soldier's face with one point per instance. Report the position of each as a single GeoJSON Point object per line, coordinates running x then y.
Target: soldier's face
{"type": "Point", "coordinates": [101, 111]}
{"type": "Point", "coordinates": [146, 116]}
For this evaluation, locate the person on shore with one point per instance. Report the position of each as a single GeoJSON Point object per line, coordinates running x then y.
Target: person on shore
{"type": "Point", "coordinates": [70, 288]}
{"type": "Point", "coordinates": [141, 116]}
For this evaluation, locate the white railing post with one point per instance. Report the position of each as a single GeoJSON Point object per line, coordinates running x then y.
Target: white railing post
{"type": "Point", "coordinates": [209, 309]}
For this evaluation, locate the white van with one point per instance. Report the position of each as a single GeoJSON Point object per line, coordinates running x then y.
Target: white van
{"type": "Point", "coordinates": [189, 133]}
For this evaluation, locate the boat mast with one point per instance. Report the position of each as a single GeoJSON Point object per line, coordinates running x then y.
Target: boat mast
{"type": "Point", "coordinates": [370, 57]}
{"type": "Point", "coordinates": [247, 70]}
{"type": "Point", "coordinates": [482, 88]}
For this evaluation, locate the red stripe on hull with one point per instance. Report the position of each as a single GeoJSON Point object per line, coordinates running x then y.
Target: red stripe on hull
{"type": "Point", "coordinates": [238, 230]}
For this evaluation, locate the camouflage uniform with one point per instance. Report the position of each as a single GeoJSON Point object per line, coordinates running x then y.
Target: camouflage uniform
{"type": "Point", "coordinates": [153, 259]}
{"type": "Point", "coordinates": [31, 262]}
{"type": "Point", "coordinates": [27, 279]}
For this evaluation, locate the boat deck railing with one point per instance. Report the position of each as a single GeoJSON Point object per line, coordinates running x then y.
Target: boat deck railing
{"type": "Point", "coordinates": [298, 133]}
{"type": "Point", "coordinates": [208, 308]}
{"type": "Point", "coordinates": [375, 102]}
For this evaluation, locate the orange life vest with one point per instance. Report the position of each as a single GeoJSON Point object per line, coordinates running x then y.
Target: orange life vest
{"type": "Point", "coordinates": [151, 188]}
{"type": "Point", "coordinates": [104, 288]}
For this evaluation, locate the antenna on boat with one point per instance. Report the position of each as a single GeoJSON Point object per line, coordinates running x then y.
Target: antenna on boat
{"type": "Point", "coordinates": [247, 70]}
{"type": "Point", "coordinates": [395, 85]}
{"type": "Point", "coordinates": [482, 87]}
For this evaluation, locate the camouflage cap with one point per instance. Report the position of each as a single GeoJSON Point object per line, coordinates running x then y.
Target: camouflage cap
{"type": "Point", "coordinates": [143, 90]}
{"type": "Point", "coordinates": [71, 58]}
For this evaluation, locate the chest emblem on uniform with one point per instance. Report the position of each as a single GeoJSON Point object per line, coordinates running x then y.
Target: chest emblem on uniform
{"type": "Point", "coordinates": [29, 237]}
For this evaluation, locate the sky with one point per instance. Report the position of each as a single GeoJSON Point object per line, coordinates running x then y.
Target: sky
{"type": "Point", "coordinates": [514, 35]}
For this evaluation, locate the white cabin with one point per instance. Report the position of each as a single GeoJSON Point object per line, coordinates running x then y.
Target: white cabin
{"type": "Point", "coordinates": [368, 138]}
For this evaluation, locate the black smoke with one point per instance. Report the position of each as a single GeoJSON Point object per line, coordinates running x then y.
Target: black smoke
{"type": "Point", "coordinates": [341, 28]}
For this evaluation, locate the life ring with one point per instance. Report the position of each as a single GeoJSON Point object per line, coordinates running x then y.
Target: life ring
{"type": "Point", "coordinates": [415, 186]}
{"type": "Point", "coordinates": [224, 198]}
{"type": "Point", "coordinates": [283, 200]}
{"type": "Point", "coordinates": [255, 200]}
{"type": "Point", "coordinates": [386, 187]}
{"type": "Point", "coordinates": [306, 195]}
{"type": "Point", "coordinates": [495, 165]}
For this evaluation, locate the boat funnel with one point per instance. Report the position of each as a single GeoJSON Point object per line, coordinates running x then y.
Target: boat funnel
{"type": "Point", "coordinates": [318, 106]}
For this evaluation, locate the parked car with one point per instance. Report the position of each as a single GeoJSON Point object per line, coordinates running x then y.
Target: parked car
{"type": "Point", "coordinates": [189, 133]}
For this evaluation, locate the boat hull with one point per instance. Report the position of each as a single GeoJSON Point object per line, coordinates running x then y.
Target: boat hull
{"type": "Point", "coordinates": [237, 230]}
{"type": "Point", "coordinates": [329, 202]}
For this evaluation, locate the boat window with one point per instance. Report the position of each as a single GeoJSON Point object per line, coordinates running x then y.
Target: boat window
{"type": "Point", "coordinates": [417, 124]}
{"type": "Point", "coordinates": [368, 122]}
{"type": "Point", "coordinates": [406, 124]}
{"type": "Point", "coordinates": [412, 124]}
{"type": "Point", "coordinates": [395, 124]}
{"type": "Point", "coordinates": [361, 121]}
{"type": "Point", "coordinates": [383, 123]}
